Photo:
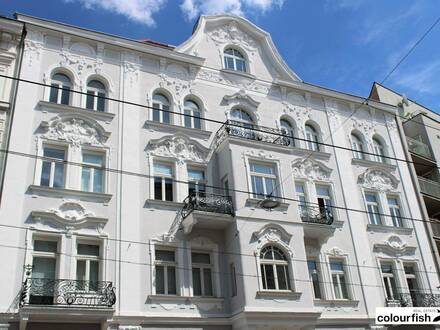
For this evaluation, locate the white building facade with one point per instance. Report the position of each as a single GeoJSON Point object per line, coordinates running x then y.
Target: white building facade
{"type": "Point", "coordinates": [152, 213]}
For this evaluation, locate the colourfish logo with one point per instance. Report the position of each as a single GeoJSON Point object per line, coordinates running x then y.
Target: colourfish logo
{"type": "Point", "coordinates": [407, 315]}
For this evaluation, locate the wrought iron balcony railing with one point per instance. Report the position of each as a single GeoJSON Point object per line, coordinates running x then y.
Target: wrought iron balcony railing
{"type": "Point", "coordinates": [252, 132]}
{"type": "Point", "coordinates": [415, 300]}
{"type": "Point", "coordinates": [316, 214]}
{"type": "Point", "coordinates": [418, 147]}
{"type": "Point", "coordinates": [59, 292]}
{"type": "Point", "coordinates": [207, 202]}
{"type": "Point", "coordinates": [429, 187]}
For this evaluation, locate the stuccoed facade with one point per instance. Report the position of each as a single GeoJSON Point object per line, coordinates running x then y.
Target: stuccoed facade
{"type": "Point", "coordinates": [214, 258]}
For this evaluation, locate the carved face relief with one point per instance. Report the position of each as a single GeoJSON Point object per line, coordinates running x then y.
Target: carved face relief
{"type": "Point", "coordinates": [310, 169]}
{"type": "Point", "coordinates": [72, 211]}
{"type": "Point", "coordinates": [378, 179]}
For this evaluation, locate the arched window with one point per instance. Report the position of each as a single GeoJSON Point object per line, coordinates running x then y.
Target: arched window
{"type": "Point", "coordinates": [161, 108]}
{"type": "Point", "coordinates": [242, 116]}
{"type": "Point", "coordinates": [274, 267]}
{"type": "Point", "coordinates": [288, 130]}
{"type": "Point", "coordinates": [378, 150]}
{"type": "Point", "coordinates": [192, 109]}
{"type": "Point", "coordinates": [57, 95]}
{"type": "Point", "coordinates": [242, 124]}
{"type": "Point", "coordinates": [234, 60]}
{"type": "Point", "coordinates": [357, 146]}
{"type": "Point", "coordinates": [96, 93]}
{"type": "Point", "coordinates": [312, 138]}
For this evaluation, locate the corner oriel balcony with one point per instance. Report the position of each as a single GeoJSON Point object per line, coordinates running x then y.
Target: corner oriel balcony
{"type": "Point", "coordinates": [416, 146]}
{"type": "Point", "coordinates": [62, 292]}
{"type": "Point", "coordinates": [415, 300]}
{"type": "Point", "coordinates": [206, 210]}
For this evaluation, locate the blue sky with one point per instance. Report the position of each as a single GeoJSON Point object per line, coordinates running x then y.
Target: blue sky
{"type": "Point", "coordinates": [340, 44]}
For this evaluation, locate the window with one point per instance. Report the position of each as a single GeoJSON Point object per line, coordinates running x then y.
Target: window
{"type": "Point", "coordinates": [314, 277]}
{"type": "Point", "coordinates": [389, 281]}
{"type": "Point", "coordinates": [234, 60]}
{"type": "Point", "coordinates": [393, 204]}
{"type": "Point", "coordinates": [57, 95]}
{"type": "Point", "coordinates": [287, 129]}
{"type": "Point", "coordinates": [312, 138]}
{"type": "Point", "coordinates": [302, 198]}
{"type": "Point", "coordinates": [274, 269]}
{"type": "Point", "coordinates": [378, 150]}
{"type": "Point", "coordinates": [202, 274]}
{"type": "Point", "coordinates": [161, 108]}
{"type": "Point", "coordinates": [87, 266]}
{"type": "Point", "coordinates": [243, 117]}
{"type": "Point", "coordinates": [163, 182]}
{"type": "Point", "coordinates": [197, 182]}
{"type": "Point", "coordinates": [192, 109]}
{"type": "Point", "coordinates": [373, 209]}
{"type": "Point", "coordinates": [233, 280]}
{"type": "Point", "coordinates": [263, 178]}
{"type": "Point", "coordinates": [92, 174]}
{"type": "Point", "coordinates": [96, 94]}
{"type": "Point", "coordinates": [357, 146]}
{"type": "Point", "coordinates": [411, 281]}
{"type": "Point", "coordinates": [242, 124]}
{"type": "Point", "coordinates": [325, 202]}
{"type": "Point", "coordinates": [339, 279]}
{"type": "Point", "coordinates": [225, 185]}
{"type": "Point", "coordinates": [52, 170]}
{"type": "Point", "coordinates": [165, 266]}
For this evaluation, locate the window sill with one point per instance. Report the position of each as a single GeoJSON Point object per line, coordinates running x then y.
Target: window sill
{"type": "Point", "coordinates": [239, 73]}
{"type": "Point", "coordinates": [369, 163]}
{"type": "Point", "coordinates": [169, 128]}
{"type": "Point", "coordinates": [175, 298]}
{"type": "Point", "coordinates": [104, 116]}
{"type": "Point", "coordinates": [255, 203]}
{"type": "Point", "coordinates": [387, 229]}
{"type": "Point", "coordinates": [335, 302]}
{"type": "Point", "coordinates": [159, 204]}
{"type": "Point", "coordinates": [64, 192]}
{"type": "Point", "coordinates": [279, 294]}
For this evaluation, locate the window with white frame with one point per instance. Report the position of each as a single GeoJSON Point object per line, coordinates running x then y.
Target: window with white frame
{"type": "Point", "coordinates": [315, 278]}
{"type": "Point", "coordinates": [96, 94]}
{"type": "Point", "coordinates": [378, 150]}
{"type": "Point", "coordinates": [44, 268]}
{"type": "Point", "coordinates": [165, 269]}
{"type": "Point", "coordinates": [52, 167]}
{"type": "Point", "coordinates": [312, 138]}
{"type": "Point", "coordinates": [92, 173]}
{"type": "Point", "coordinates": [263, 179]}
{"type": "Point", "coordinates": [357, 146]}
{"type": "Point", "coordinates": [339, 279]}
{"type": "Point", "coordinates": [192, 115]}
{"type": "Point", "coordinates": [88, 265]}
{"type": "Point", "coordinates": [234, 60]}
{"type": "Point", "coordinates": [301, 194]}
{"type": "Point", "coordinates": [325, 201]}
{"type": "Point", "coordinates": [373, 208]}
{"type": "Point", "coordinates": [274, 267]}
{"type": "Point", "coordinates": [233, 277]}
{"type": "Point", "coordinates": [202, 274]}
{"type": "Point", "coordinates": [411, 280]}
{"type": "Point", "coordinates": [163, 182]}
{"type": "Point", "coordinates": [161, 108]}
{"type": "Point", "coordinates": [288, 131]}
{"type": "Point", "coordinates": [241, 116]}
{"type": "Point", "coordinates": [196, 181]}
{"type": "Point", "coordinates": [394, 208]}
{"type": "Point", "coordinates": [60, 89]}
{"type": "Point", "coordinates": [389, 281]}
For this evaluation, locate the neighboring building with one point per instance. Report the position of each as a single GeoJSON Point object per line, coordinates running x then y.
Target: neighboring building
{"type": "Point", "coordinates": [140, 248]}
{"type": "Point", "coordinates": [421, 127]}
{"type": "Point", "coordinates": [11, 35]}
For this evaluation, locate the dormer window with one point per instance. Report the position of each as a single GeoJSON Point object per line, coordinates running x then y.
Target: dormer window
{"type": "Point", "coordinates": [234, 60]}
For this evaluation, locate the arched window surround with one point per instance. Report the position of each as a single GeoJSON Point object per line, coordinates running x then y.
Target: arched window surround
{"type": "Point", "coordinates": [358, 144]}
{"type": "Point", "coordinates": [292, 132]}
{"type": "Point", "coordinates": [171, 104]}
{"type": "Point", "coordinates": [378, 142]}
{"type": "Point", "coordinates": [58, 94]}
{"type": "Point", "coordinates": [201, 108]}
{"type": "Point", "coordinates": [244, 55]}
{"type": "Point", "coordinates": [313, 129]}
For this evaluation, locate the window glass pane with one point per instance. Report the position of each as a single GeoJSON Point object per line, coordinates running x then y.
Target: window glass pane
{"type": "Point", "coordinates": [196, 175]}
{"type": "Point", "coordinates": [43, 267]}
{"type": "Point", "coordinates": [96, 84]}
{"type": "Point", "coordinates": [336, 266]}
{"type": "Point", "coordinates": [58, 178]}
{"type": "Point", "coordinates": [187, 119]}
{"type": "Point", "coordinates": [53, 97]}
{"type": "Point", "coordinates": [45, 174]}
{"type": "Point", "coordinates": [263, 169]}
{"type": "Point", "coordinates": [197, 285]}
{"type": "Point", "coordinates": [268, 277]}
{"type": "Point", "coordinates": [165, 255]}
{"type": "Point", "coordinates": [156, 112]}
{"type": "Point", "coordinates": [343, 287]}
{"type": "Point", "coordinates": [257, 186]}
{"type": "Point", "coordinates": [201, 258]}
{"type": "Point", "coordinates": [197, 120]}
{"type": "Point", "coordinates": [168, 189]}
{"type": "Point", "coordinates": [336, 287]}
{"type": "Point", "coordinates": [65, 95]}
{"type": "Point", "coordinates": [81, 270]}
{"type": "Point", "coordinates": [90, 100]}
{"type": "Point", "coordinates": [371, 198]}
{"type": "Point", "coordinates": [45, 246]}
{"type": "Point", "coordinates": [386, 268]}
{"type": "Point", "coordinates": [94, 271]}
{"type": "Point", "coordinates": [85, 178]}
{"type": "Point", "coordinates": [88, 249]}
{"type": "Point", "coordinates": [160, 280]}
{"type": "Point", "coordinates": [166, 114]}
{"type": "Point", "coordinates": [229, 63]}
{"type": "Point", "coordinates": [316, 286]}
{"type": "Point", "coordinates": [101, 102]}
{"type": "Point", "coordinates": [171, 280]}
{"type": "Point", "coordinates": [282, 274]}
{"type": "Point", "coordinates": [163, 169]}
{"type": "Point", "coordinates": [299, 188]}
{"type": "Point", "coordinates": [92, 159]}
{"type": "Point", "coordinates": [97, 180]}
{"type": "Point", "coordinates": [393, 201]}
{"type": "Point", "coordinates": [159, 98]}
{"type": "Point", "coordinates": [323, 191]}
{"type": "Point", "coordinates": [271, 188]}
{"type": "Point", "coordinates": [53, 153]}
{"type": "Point", "coordinates": [158, 188]}
{"type": "Point", "coordinates": [207, 282]}
{"type": "Point", "coordinates": [240, 65]}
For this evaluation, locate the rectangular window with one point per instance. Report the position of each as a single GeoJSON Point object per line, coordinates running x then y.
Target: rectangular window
{"type": "Point", "coordinates": [373, 209]}
{"type": "Point", "coordinates": [161, 113]}
{"type": "Point", "coordinates": [52, 170]}
{"type": "Point", "coordinates": [163, 182]}
{"type": "Point", "coordinates": [314, 277]}
{"type": "Point", "coordinates": [59, 94]}
{"type": "Point", "coordinates": [302, 198]}
{"type": "Point", "coordinates": [339, 279]}
{"type": "Point", "coordinates": [394, 207]}
{"type": "Point", "coordinates": [202, 274]}
{"type": "Point", "coordinates": [264, 180]}
{"type": "Point", "coordinates": [389, 281]}
{"type": "Point", "coordinates": [233, 280]}
{"type": "Point", "coordinates": [197, 182]}
{"type": "Point", "coordinates": [165, 267]}
{"type": "Point", "coordinates": [87, 266]}
{"type": "Point", "coordinates": [92, 174]}
{"type": "Point", "coordinates": [325, 202]}
{"type": "Point", "coordinates": [412, 283]}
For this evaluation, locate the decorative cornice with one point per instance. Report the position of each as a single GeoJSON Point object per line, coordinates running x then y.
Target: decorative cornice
{"type": "Point", "coordinates": [394, 246]}
{"type": "Point", "coordinates": [378, 179]}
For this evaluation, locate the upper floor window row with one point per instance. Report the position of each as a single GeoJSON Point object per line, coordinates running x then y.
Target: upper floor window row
{"type": "Point", "coordinates": [360, 150]}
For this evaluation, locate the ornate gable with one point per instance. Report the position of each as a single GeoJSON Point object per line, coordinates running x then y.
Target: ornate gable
{"type": "Point", "coordinates": [178, 146]}
{"type": "Point", "coordinates": [378, 179]}
{"type": "Point", "coordinates": [310, 169]}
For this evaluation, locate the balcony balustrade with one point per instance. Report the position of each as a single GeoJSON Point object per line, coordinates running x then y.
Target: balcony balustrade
{"type": "Point", "coordinates": [316, 214]}
{"type": "Point", "coordinates": [429, 187]}
{"type": "Point", "coordinates": [207, 202]}
{"type": "Point", "coordinates": [415, 300]}
{"type": "Point", "coordinates": [418, 147]}
{"type": "Point", "coordinates": [62, 292]}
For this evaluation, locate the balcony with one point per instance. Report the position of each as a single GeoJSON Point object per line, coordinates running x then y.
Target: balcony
{"type": "Point", "coordinates": [317, 222]}
{"type": "Point", "coordinates": [61, 292]}
{"type": "Point", "coordinates": [206, 210]}
{"type": "Point", "coordinates": [416, 146]}
{"type": "Point", "coordinates": [415, 300]}
{"type": "Point", "coordinates": [429, 187]}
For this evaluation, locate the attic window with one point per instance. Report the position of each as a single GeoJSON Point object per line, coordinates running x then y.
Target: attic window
{"type": "Point", "coordinates": [234, 60]}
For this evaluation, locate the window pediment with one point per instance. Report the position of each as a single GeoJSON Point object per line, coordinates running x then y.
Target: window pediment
{"type": "Point", "coordinates": [378, 179]}
{"type": "Point", "coordinates": [394, 246]}
{"type": "Point", "coordinates": [310, 169]}
{"type": "Point", "coordinates": [272, 233]}
{"type": "Point", "coordinates": [241, 98]}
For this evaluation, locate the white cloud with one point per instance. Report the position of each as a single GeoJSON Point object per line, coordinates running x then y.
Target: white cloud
{"type": "Point", "coordinates": [137, 10]}
{"type": "Point", "coordinates": [421, 79]}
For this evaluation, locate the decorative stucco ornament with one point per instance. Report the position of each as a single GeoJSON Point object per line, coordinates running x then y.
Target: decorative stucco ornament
{"type": "Point", "coordinates": [72, 211]}
{"type": "Point", "coordinates": [310, 169]}
{"type": "Point", "coordinates": [378, 179]}
{"type": "Point", "coordinates": [230, 33]}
